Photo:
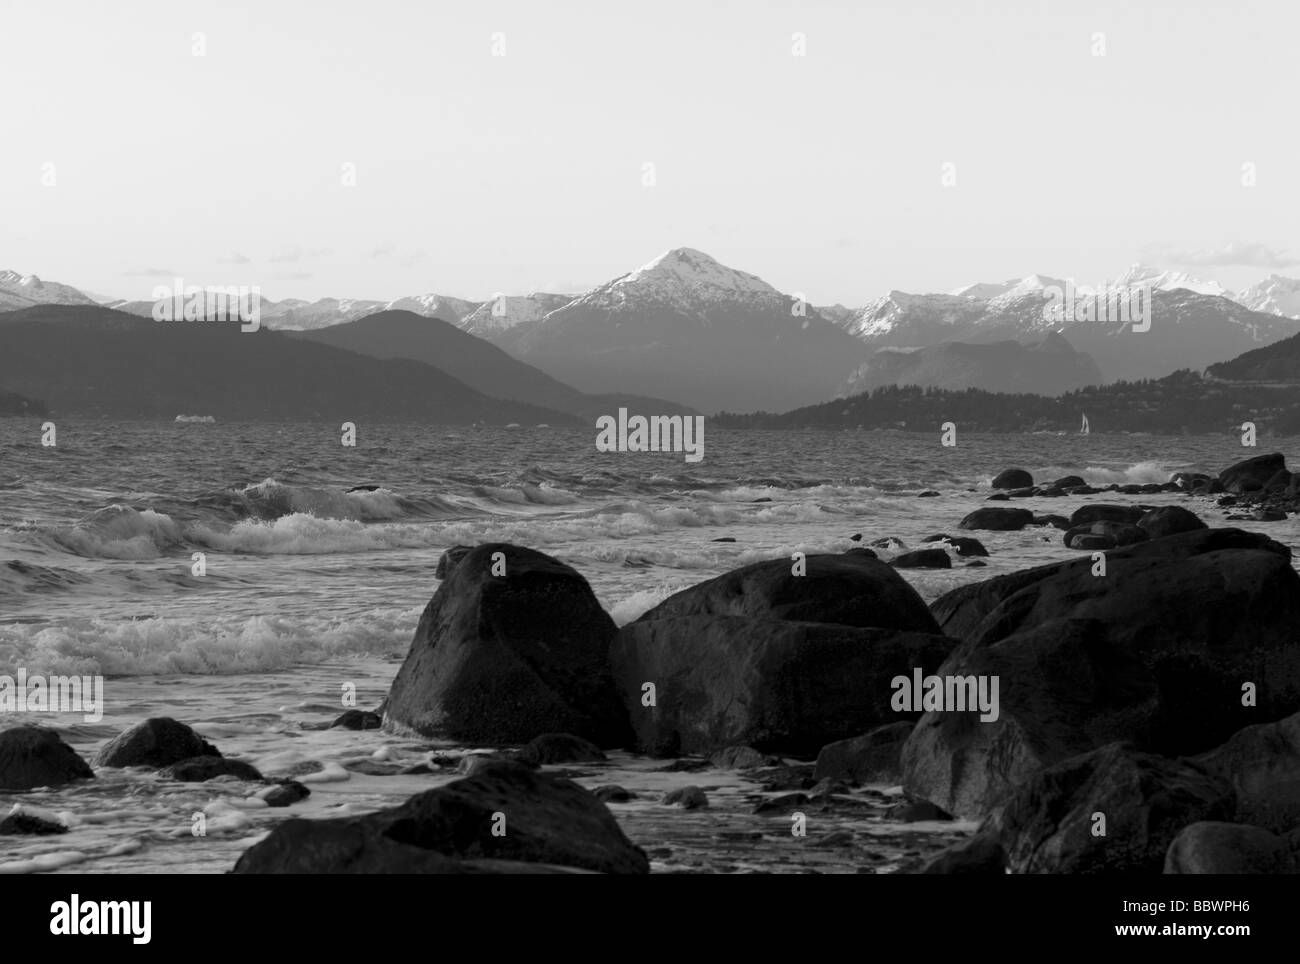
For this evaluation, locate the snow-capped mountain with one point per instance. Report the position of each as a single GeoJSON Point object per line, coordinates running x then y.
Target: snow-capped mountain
{"type": "Point", "coordinates": [24, 291]}
{"type": "Point", "coordinates": [1139, 274]}
{"type": "Point", "coordinates": [503, 313]}
{"type": "Point", "coordinates": [902, 320]}
{"type": "Point", "coordinates": [1275, 295]}
{"type": "Point", "coordinates": [691, 329]}
{"type": "Point", "coordinates": [295, 314]}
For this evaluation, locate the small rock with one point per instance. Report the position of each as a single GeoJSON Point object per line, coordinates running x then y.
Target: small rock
{"type": "Point", "coordinates": [922, 559]}
{"type": "Point", "coordinates": [552, 748]}
{"type": "Point", "coordinates": [358, 720]}
{"type": "Point", "coordinates": [742, 758]}
{"type": "Point", "coordinates": [613, 794]}
{"type": "Point", "coordinates": [284, 794]}
{"type": "Point", "coordinates": [200, 768]}
{"type": "Point", "coordinates": [1013, 479]}
{"type": "Point", "coordinates": [27, 824]}
{"type": "Point", "coordinates": [688, 798]}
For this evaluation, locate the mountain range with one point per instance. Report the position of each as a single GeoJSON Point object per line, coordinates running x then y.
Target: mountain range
{"type": "Point", "coordinates": [685, 332]}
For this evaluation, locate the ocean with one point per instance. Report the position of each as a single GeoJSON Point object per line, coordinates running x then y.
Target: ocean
{"type": "Point", "coordinates": [319, 559]}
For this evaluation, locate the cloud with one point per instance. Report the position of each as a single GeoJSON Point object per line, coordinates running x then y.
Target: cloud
{"type": "Point", "coordinates": [235, 258]}
{"type": "Point", "coordinates": [149, 273]}
{"type": "Point", "coordinates": [385, 250]}
{"type": "Point", "coordinates": [1249, 253]}
{"type": "Point", "coordinates": [293, 276]}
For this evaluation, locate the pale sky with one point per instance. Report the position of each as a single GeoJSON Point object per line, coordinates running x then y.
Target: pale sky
{"type": "Point", "coordinates": [478, 173]}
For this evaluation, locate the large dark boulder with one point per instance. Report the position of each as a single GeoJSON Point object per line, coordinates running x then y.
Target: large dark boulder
{"type": "Point", "coordinates": [1169, 520]}
{"type": "Point", "coordinates": [505, 658]}
{"type": "Point", "coordinates": [449, 560]}
{"type": "Point", "coordinates": [998, 519]}
{"type": "Point", "coordinates": [543, 820]}
{"type": "Point", "coordinates": [1252, 474]}
{"type": "Point", "coordinates": [1013, 479]}
{"type": "Point", "coordinates": [777, 686]}
{"type": "Point", "coordinates": [1050, 824]}
{"type": "Point", "coordinates": [1202, 617]}
{"type": "Point", "coordinates": [1262, 763]}
{"type": "Point", "coordinates": [1064, 688]}
{"type": "Point", "coordinates": [156, 742]}
{"type": "Point", "coordinates": [32, 756]}
{"type": "Point", "coordinates": [852, 589]}
{"type": "Point", "coordinates": [1211, 847]}
{"type": "Point", "coordinates": [873, 757]}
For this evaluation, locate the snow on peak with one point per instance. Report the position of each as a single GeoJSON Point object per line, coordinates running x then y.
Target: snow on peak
{"type": "Point", "coordinates": [1141, 274]}
{"type": "Point", "coordinates": [1275, 294]}
{"type": "Point", "coordinates": [684, 275]}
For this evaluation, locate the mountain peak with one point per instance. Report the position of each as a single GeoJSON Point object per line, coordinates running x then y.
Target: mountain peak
{"type": "Point", "coordinates": [686, 274]}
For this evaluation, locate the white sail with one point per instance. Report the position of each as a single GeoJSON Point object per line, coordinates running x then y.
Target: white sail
{"type": "Point", "coordinates": [1083, 429]}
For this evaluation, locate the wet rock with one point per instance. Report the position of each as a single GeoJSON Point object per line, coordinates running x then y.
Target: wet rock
{"type": "Point", "coordinates": [928, 494]}
{"type": "Point", "coordinates": [1055, 521]}
{"type": "Point", "coordinates": [200, 768]}
{"type": "Point", "coordinates": [1251, 474]}
{"type": "Point", "coordinates": [742, 758]}
{"type": "Point", "coordinates": [502, 658]}
{"type": "Point", "coordinates": [1070, 482]}
{"type": "Point", "coordinates": [1262, 763]}
{"type": "Point", "coordinates": [1047, 826]}
{"type": "Point", "coordinates": [22, 824]}
{"type": "Point", "coordinates": [1210, 847]}
{"type": "Point", "coordinates": [922, 559]}
{"type": "Point", "coordinates": [1114, 533]}
{"type": "Point", "coordinates": [780, 687]}
{"type": "Point", "coordinates": [850, 588]}
{"type": "Point", "coordinates": [999, 497]}
{"type": "Point", "coordinates": [32, 756]}
{"type": "Point", "coordinates": [982, 854]}
{"type": "Point", "coordinates": [285, 794]}
{"type": "Point", "coordinates": [724, 539]}
{"type": "Point", "coordinates": [887, 542]}
{"type": "Point", "coordinates": [965, 545]}
{"type": "Point", "coordinates": [613, 794]}
{"type": "Point", "coordinates": [156, 742]}
{"type": "Point", "coordinates": [1168, 520]}
{"type": "Point", "coordinates": [782, 805]}
{"type": "Point", "coordinates": [998, 519]}
{"type": "Point", "coordinates": [873, 757]}
{"type": "Point", "coordinates": [552, 748]}
{"type": "Point", "coordinates": [1012, 479]}
{"type": "Point", "coordinates": [449, 559]}
{"type": "Point", "coordinates": [546, 820]}
{"type": "Point", "coordinates": [688, 798]}
{"type": "Point", "coordinates": [358, 720]}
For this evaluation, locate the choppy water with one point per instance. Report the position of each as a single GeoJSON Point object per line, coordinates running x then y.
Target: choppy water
{"type": "Point", "coordinates": [309, 586]}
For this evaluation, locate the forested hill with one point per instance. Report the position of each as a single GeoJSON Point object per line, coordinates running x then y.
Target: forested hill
{"type": "Point", "coordinates": [1181, 403]}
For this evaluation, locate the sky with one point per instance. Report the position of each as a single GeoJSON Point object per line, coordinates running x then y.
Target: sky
{"type": "Point", "coordinates": [836, 149]}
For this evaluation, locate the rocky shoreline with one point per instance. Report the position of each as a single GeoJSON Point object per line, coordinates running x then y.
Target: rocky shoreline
{"type": "Point", "coordinates": [1147, 718]}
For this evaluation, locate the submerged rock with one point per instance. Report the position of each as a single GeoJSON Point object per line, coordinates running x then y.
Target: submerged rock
{"type": "Point", "coordinates": [32, 756]}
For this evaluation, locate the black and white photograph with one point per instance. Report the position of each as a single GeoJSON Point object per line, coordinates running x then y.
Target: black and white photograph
{"type": "Point", "coordinates": [701, 438]}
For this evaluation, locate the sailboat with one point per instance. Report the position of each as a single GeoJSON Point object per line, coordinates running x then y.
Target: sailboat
{"type": "Point", "coordinates": [1083, 429]}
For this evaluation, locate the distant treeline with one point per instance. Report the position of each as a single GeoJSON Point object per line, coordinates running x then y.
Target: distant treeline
{"type": "Point", "coordinates": [11, 403]}
{"type": "Point", "coordinates": [1181, 403]}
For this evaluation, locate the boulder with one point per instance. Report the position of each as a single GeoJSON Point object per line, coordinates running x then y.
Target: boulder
{"type": "Point", "coordinates": [1262, 763]}
{"type": "Point", "coordinates": [285, 794]}
{"type": "Point", "coordinates": [851, 589]}
{"type": "Point", "coordinates": [449, 559]}
{"type": "Point", "coordinates": [922, 559]}
{"type": "Point", "coordinates": [1105, 535]}
{"type": "Point", "coordinates": [874, 757]}
{"type": "Point", "coordinates": [358, 720]}
{"type": "Point", "coordinates": [1069, 482]}
{"type": "Point", "coordinates": [965, 545]}
{"type": "Point", "coordinates": [504, 658]}
{"type": "Point", "coordinates": [1168, 520]}
{"type": "Point", "coordinates": [981, 854]}
{"type": "Point", "coordinates": [156, 742]}
{"type": "Point", "coordinates": [1065, 689]}
{"type": "Point", "coordinates": [546, 820]}
{"type": "Point", "coordinates": [200, 768]}
{"type": "Point", "coordinates": [688, 798]}
{"type": "Point", "coordinates": [32, 756]}
{"type": "Point", "coordinates": [778, 686]}
{"type": "Point", "coordinates": [23, 824]}
{"type": "Point", "coordinates": [997, 519]}
{"type": "Point", "coordinates": [1013, 479]}
{"type": "Point", "coordinates": [553, 748]}
{"type": "Point", "coordinates": [1252, 474]}
{"type": "Point", "coordinates": [1204, 611]}
{"type": "Point", "coordinates": [1049, 825]}
{"type": "Point", "coordinates": [1210, 847]}
{"type": "Point", "coordinates": [742, 758]}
